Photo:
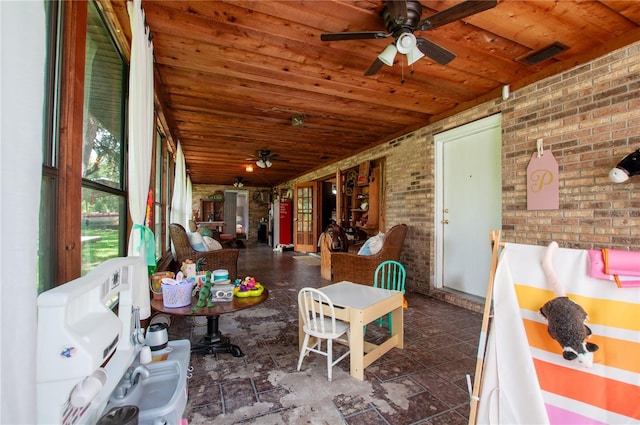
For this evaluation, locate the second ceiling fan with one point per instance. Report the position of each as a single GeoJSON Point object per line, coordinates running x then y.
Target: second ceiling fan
{"type": "Point", "coordinates": [264, 158]}
{"type": "Point", "coordinates": [402, 19]}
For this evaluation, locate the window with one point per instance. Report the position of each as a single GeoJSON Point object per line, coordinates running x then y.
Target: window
{"type": "Point", "coordinates": [104, 201]}
{"type": "Point", "coordinates": [168, 176]}
{"type": "Point", "coordinates": [46, 239]}
{"type": "Point", "coordinates": [83, 212]}
{"type": "Point", "coordinates": [160, 197]}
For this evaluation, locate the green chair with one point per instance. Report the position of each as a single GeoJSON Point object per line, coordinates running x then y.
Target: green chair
{"type": "Point", "coordinates": [389, 274]}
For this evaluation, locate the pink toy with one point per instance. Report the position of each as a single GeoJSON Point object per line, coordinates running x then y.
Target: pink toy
{"type": "Point", "coordinates": [611, 264]}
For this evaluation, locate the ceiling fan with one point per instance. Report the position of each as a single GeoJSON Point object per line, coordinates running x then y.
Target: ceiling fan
{"type": "Point", "coordinates": [402, 19]}
{"type": "Point", "coordinates": [265, 158]}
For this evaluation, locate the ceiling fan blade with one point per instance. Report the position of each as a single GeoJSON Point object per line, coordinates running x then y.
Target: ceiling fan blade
{"type": "Point", "coordinates": [454, 13]}
{"type": "Point", "coordinates": [397, 11]}
{"type": "Point", "coordinates": [434, 51]}
{"type": "Point", "coordinates": [362, 35]}
{"type": "Point", "coordinates": [374, 68]}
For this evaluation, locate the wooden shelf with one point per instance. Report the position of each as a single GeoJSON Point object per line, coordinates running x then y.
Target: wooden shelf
{"type": "Point", "coordinates": [354, 216]}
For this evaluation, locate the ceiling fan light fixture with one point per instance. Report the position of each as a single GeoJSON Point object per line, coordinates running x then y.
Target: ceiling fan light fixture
{"type": "Point", "coordinates": [238, 182]}
{"type": "Point", "coordinates": [406, 43]}
{"type": "Point", "coordinates": [262, 163]}
{"type": "Point", "coordinates": [297, 121]}
{"type": "Point", "coordinates": [414, 55]}
{"type": "Point", "coordinates": [388, 55]}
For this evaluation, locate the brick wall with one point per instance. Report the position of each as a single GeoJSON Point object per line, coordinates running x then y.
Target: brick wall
{"type": "Point", "coordinates": [589, 117]}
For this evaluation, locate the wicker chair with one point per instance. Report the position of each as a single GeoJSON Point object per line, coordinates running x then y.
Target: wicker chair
{"type": "Point", "coordinates": [361, 268]}
{"type": "Point", "coordinates": [220, 259]}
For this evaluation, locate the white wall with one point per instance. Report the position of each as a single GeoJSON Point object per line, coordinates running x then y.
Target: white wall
{"type": "Point", "coordinates": [22, 66]}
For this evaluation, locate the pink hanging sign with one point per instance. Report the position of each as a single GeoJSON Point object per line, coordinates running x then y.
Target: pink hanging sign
{"type": "Point", "coordinates": [543, 186]}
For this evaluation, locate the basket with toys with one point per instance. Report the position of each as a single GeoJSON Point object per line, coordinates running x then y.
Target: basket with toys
{"type": "Point", "coordinates": [247, 287]}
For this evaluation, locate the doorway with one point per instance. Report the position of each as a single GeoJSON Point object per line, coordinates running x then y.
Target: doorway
{"type": "Point", "coordinates": [468, 204]}
{"type": "Point", "coordinates": [236, 216]}
{"type": "Point", "coordinates": [304, 222]}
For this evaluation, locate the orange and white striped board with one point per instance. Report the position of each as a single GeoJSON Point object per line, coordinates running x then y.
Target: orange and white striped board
{"type": "Point", "coordinates": [606, 393]}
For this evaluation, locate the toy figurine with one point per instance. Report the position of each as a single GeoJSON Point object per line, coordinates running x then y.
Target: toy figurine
{"type": "Point", "coordinates": [204, 297]}
{"type": "Point", "coordinates": [566, 319]}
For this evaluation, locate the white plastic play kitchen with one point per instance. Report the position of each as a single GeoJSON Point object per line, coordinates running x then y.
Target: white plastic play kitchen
{"type": "Point", "coordinates": [92, 361]}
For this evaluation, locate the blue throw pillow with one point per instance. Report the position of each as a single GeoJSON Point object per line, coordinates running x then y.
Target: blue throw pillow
{"type": "Point", "coordinates": [366, 248]}
{"type": "Point", "coordinates": [195, 239]}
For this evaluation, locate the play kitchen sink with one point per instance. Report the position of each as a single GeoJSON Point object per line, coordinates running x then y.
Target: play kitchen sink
{"type": "Point", "coordinates": [90, 342]}
{"type": "Point", "coordinates": [158, 389]}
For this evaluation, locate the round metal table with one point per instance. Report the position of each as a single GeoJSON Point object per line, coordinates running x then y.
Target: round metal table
{"type": "Point", "coordinates": [214, 341]}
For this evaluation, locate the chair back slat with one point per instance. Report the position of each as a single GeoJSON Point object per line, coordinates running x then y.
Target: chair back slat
{"type": "Point", "coordinates": [317, 311]}
{"type": "Point", "coordinates": [390, 274]}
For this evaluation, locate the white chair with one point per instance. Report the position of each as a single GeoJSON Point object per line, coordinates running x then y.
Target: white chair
{"type": "Point", "coordinates": [319, 321]}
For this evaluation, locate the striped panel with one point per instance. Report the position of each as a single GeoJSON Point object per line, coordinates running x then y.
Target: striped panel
{"type": "Point", "coordinates": [607, 312]}
{"type": "Point", "coordinates": [558, 415]}
{"type": "Point", "coordinates": [608, 394]}
{"type": "Point", "coordinates": [612, 352]}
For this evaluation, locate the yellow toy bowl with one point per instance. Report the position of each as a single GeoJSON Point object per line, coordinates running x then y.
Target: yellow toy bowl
{"type": "Point", "coordinates": [256, 291]}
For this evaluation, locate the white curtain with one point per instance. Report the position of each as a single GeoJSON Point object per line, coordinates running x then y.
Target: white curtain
{"type": "Point", "coordinates": [141, 240]}
{"type": "Point", "coordinates": [22, 76]}
{"type": "Point", "coordinates": [189, 201]}
{"type": "Point", "coordinates": [179, 200]}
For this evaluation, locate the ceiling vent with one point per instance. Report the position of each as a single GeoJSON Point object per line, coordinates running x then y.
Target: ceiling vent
{"type": "Point", "coordinates": [543, 54]}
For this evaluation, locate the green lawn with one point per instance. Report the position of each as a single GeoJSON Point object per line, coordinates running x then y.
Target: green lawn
{"type": "Point", "coordinates": [103, 245]}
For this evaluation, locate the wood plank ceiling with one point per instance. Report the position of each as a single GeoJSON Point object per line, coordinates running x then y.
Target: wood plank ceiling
{"type": "Point", "coordinates": [232, 74]}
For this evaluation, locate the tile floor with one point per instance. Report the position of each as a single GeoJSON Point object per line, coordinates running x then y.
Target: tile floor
{"type": "Point", "coordinates": [423, 384]}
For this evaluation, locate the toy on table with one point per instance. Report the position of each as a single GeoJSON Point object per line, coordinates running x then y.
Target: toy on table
{"type": "Point", "coordinates": [204, 295]}
{"type": "Point", "coordinates": [201, 279]}
{"type": "Point", "coordinates": [188, 268]}
{"type": "Point", "coordinates": [247, 287]}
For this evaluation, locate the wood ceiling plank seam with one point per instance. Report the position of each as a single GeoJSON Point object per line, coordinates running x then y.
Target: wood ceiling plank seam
{"type": "Point", "coordinates": [507, 23]}
{"type": "Point", "coordinates": [594, 19]}
{"type": "Point", "coordinates": [318, 83]}
{"type": "Point", "coordinates": [236, 114]}
{"type": "Point", "coordinates": [194, 27]}
{"type": "Point", "coordinates": [234, 86]}
{"type": "Point", "coordinates": [464, 68]}
{"type": "Point", "coordinates": [345, 137]}
{"type": "Point", "coordinates": [299, 103]}
{"type": "Point", "coordinates": [308, 84]}
{"type": "Point", "coordinates": [630, 9]}
{"type": "Point", "coordinates": [465, 78]}
{"type": "Point", "coordinates": [317, 14]}
{"type": "Point", "coordinates": [320, 75]}
{"type": "Point", "coordinates": [304, 149]}
{"type": "Point", "coordinates": [195, 130]}
{"type": "Point", "coordinates": [237, 146]}
{"type": "Point", "coordinates": [362, 114]}
{"type": "Point", "coordinates": [351, 140]}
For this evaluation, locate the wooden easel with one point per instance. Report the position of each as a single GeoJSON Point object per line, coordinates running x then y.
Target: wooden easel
{"type": "Point", "coordinates": [494, 237]}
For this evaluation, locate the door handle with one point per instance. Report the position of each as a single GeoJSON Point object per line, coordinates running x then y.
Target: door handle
{"type": "Point", "coordinates": [445, 222]}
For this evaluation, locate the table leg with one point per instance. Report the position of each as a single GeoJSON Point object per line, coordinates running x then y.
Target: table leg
{"type": "Point", "coordinates": [356, 344]}
{"type": "Point", "coordinates": [397, 325]}
{"type": "Point", "coordinates": [215, 342]}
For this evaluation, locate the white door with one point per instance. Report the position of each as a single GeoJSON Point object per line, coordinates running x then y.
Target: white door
{"type": "Point", "coordinates": [468, 203]}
